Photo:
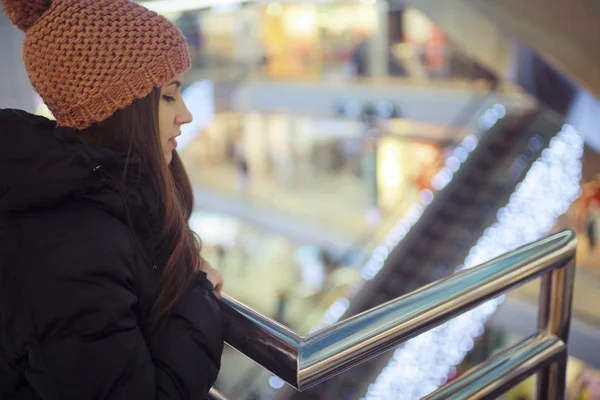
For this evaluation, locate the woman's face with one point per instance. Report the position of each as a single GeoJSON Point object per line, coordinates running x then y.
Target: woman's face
{"type": "Point", "coordinates": [172, 113]}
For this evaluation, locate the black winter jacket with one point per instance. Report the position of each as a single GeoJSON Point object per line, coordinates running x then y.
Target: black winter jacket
{"type": "Point", "coordinates": [76, 290]}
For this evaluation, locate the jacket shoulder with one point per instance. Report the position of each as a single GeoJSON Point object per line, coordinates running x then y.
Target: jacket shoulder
{"type": "Point", "coordinates": [70, 241]}
{"type": "Point", "coordinates": [12, 118]}
{"type": "Point", "coordinates": [47, 230]}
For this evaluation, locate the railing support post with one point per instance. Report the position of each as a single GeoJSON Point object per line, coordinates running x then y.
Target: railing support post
{"type": "Point", "coordinates": [556, 297]}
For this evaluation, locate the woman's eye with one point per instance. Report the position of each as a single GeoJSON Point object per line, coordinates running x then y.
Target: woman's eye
{"type": "Point", "coordinates": [170, 99]}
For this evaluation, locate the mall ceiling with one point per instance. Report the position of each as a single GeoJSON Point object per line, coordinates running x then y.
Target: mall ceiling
{"type": "Point", "coordinates": [564, 32]}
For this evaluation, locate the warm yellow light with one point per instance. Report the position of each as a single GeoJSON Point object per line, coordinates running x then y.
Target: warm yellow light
{"type": "Point", "coordinates": [301, 20]}
{"type": "Point", "coordinates": [390, 164]}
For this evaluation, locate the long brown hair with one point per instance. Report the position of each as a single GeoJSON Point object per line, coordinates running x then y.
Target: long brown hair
{"type": "Point", "coordinates": [135, 130]}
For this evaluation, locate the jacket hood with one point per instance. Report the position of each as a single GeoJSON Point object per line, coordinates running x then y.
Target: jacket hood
{"type": "Point", "coordinates": [42, 165]}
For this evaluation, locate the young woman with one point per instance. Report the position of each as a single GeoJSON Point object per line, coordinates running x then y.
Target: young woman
{"type": "Point", "coordinates": [103, 292]}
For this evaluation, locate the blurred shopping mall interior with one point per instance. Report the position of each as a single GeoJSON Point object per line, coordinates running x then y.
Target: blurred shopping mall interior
{"type": "Point", "coordinates": [347, 152]}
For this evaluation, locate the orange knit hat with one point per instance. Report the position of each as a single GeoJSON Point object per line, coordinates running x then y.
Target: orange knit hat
{"type": "Point", "coordinates": [90, 58]}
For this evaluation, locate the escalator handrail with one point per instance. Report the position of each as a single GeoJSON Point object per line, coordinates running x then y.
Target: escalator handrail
{"type": "Point", "coordinates": [304, 361]}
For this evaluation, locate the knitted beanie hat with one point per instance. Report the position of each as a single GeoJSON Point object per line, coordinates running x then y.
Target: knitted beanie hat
{"type": "Point", "coordinates": [89, 58]}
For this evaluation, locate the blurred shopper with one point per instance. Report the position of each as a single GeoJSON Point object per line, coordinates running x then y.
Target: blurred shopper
{"type": "Point", "coordinates": [241, 164]}
{"type": "Point", "coordinates": [189, 23]}
{"type": "Point", "coordinates": [586, 211]}
{"type": "Point", "coordinates": [593, 217]}
{"type": "Point", "coordinates": [328, 261]}
{"type": "Point", "coordinates": [359, 54]}
{"type": "Point", "coordinates": [369, 171]}
{"type": "Point", "coordinates": [104, 294]}
{"type": "Point", "coordinates": [220, 250]}
{"type": "Point", "coordinates": [282, 301]}
{"type": "Point", "coordinates": [252, 394]}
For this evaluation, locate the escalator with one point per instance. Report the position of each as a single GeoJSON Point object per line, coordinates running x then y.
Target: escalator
{"type": "Point", "coordinates": [463, 210]}
{"type": "Point", "coordinates": [449, 227]}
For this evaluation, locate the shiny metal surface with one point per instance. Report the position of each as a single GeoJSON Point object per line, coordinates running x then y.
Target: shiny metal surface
{"type": "Point", "coordinates": [490, 379]}
{"type": "Point", "coordinates": [214, 394]}
{"type": "Point", "coordinates": [556, 299]}
{"type": "Point", "coordinates": [305, 361]}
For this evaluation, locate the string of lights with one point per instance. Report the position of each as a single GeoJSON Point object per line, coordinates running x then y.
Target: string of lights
{"type": "Point", "coordinates": [550, 186]}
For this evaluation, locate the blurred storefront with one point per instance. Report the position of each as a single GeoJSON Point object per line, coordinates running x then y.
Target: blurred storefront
{"type": "Point", "coordinates": [403, 164]}
{"type": "Point", "coordinates": [334, 40]}
{"type": "Point", "coordinates": [291, 40]}
{"type": "Point", "coordinates": [294, 149]}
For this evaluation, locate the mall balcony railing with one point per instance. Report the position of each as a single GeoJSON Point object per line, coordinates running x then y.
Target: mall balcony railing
{"type": "Point", "coordinates": [307, 361]}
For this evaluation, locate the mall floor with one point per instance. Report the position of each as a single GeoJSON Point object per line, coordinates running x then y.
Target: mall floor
{"type": "Point", "coordinates": [338, 202]}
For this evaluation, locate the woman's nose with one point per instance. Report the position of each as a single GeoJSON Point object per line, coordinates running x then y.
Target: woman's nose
{"type": "Point", "coordinates": [185, 116]}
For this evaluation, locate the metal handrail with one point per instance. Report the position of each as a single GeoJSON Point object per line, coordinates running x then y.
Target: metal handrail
{"type": "Point", "coordinates": [305, 361]}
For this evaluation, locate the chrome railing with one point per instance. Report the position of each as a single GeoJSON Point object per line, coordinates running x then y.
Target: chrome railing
{"type": "Point", "coordinates": [305, 361]}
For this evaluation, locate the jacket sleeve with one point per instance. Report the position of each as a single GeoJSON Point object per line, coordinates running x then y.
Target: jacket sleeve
{"type": "Point", "coordinates": [88, 344]}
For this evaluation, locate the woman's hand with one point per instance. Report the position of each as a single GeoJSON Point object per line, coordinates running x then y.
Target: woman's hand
{"type": "Point", "coordinates": [214, 276]}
